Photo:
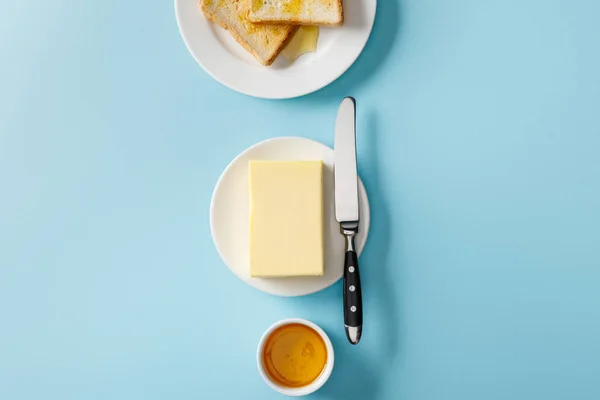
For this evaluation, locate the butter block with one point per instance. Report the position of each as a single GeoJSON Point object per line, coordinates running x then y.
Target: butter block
{"type": "Point", "coordinates": [286, 218]}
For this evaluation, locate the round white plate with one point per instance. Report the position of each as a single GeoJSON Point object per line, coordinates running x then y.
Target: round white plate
{"type": "Point", "coordinates": [226, 61]}
{"type": "Point", "coordinates": [229, 216]}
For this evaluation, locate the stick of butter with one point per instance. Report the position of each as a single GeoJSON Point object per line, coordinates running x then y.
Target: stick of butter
{"type": "Point", "coordinates": [286, 218]}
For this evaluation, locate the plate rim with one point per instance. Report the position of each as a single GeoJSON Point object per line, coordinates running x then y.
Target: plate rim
{"type": "Point", "coordinates": [364, 205]}
{"type": "Point", "coordinates": [293, 94]}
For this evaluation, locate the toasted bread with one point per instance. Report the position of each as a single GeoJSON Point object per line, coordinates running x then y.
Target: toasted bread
{"type": "Point", "coordinates": [263, 41]}
{"type": "Point", "coordinates": [297, 12]}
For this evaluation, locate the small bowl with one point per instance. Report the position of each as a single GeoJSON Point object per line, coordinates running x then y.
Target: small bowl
{"type": "Point", "coordinates": [313, 386]}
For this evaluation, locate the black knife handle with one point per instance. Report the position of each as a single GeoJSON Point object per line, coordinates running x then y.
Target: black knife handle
{"type": "Point", "coordinates": [352, 291]}
{"type": "Point", "coordinates": [353, 310]}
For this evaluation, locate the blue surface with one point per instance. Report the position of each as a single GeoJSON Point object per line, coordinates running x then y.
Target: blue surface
{"type": "Point", "coordinates": [479, 138]}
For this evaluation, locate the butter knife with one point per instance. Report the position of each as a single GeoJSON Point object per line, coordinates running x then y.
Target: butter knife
{"type": "Point", "coordinates": [346, 213]}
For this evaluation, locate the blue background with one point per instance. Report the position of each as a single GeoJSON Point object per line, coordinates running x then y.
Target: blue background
{"type": "Point", "coordinates": [479, 140]}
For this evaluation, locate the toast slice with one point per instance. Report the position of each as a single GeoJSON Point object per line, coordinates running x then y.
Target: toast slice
{"type": "Point", "coordinates": [297, 12]}
{"type": "Point", "coordinates": [264, 42]}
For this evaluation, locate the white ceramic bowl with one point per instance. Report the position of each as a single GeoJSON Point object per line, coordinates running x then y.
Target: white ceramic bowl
{"type": "Point", "coordinates": [317, 383]}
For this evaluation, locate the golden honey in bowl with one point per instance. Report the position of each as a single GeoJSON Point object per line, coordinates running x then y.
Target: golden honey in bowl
{"type": "Point", "coordinates": [294, 355]}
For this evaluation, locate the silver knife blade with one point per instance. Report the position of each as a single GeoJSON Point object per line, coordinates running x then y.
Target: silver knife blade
{"type": "Point", "coordinates": [346, 179]}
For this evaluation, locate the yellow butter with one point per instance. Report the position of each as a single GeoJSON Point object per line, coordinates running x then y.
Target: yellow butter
{"type": "Point", "coordinates": [304, 41]}
{"type": "Point", "coordinates": [286, 218]}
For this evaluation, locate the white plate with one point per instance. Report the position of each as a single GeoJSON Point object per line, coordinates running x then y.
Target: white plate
{"type": "Point", "coordinates": [229, 216]}
{"type": "Point", "coordinates": [226, 61]}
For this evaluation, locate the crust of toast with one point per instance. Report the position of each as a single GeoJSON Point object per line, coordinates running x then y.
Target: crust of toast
{"type": "Point", "coordinates": [241, 40]}
{"type": "Point", "coordinates": [293, 21]}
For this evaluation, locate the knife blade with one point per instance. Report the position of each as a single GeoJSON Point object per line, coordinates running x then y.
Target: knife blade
{"type": "Point", "coordinates": [346, 182]}
{"type": "Point", "coordinates": [347, 213]}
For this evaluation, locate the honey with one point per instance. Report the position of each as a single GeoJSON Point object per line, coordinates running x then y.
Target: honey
{"type": "Point", "coordinates": [293, 7]}
{"type": "Point", "coordinates": [256, 5]}
{"type": "Point", "coordinates": [304, 41]}
{"type": "Point", "coordinates": [294, 355]}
